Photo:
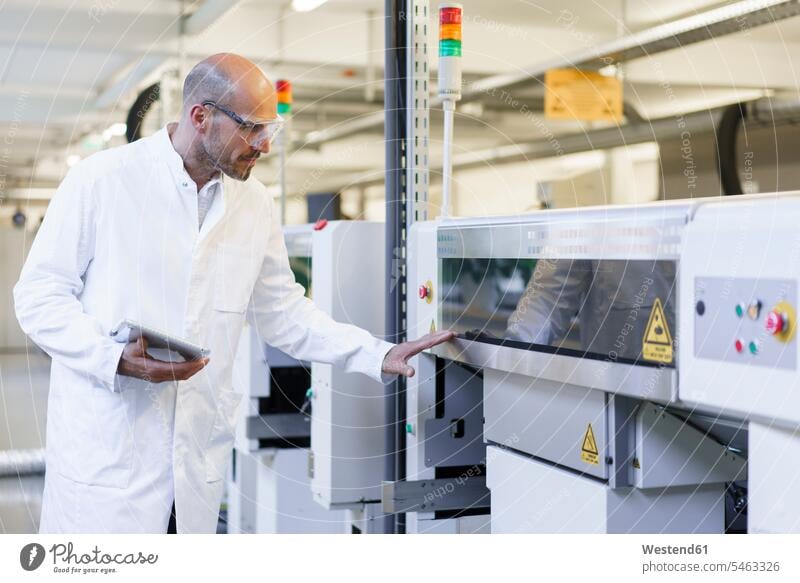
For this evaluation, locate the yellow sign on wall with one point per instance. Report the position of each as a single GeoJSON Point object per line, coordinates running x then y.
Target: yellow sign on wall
{"type": "Point", "coordinates": [585, 95]}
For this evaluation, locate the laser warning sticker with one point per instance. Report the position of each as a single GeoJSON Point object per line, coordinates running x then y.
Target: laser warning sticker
{"type": "Point", "coordinates": [433, 327]}
{"type": "Point", "coordinates": [657, 341]}
{"type": "Point", "coordinates": [589, 452]}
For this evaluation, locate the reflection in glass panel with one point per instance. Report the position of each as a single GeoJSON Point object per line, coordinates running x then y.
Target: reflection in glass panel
{"type": "Point", "coordinates": [596, 308]}
{"type": "Point", "coordinates": [301, 267]}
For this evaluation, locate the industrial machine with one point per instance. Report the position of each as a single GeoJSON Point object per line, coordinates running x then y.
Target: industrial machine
{"type": "Point", "coordinates": [616, 369]}
{"type": "Point", "coordinates": [311, 436]}
{"type": "Point", "coordinates": [268, 484]}
{"type": "Point", "coordinates": [348, 443]}
{"type": "Point", "coordinates": [739, 351]}
{"type": "Point", "coordinates": [619, 369]}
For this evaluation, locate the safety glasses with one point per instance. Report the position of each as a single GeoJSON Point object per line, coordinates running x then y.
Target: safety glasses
{"type": "Point", "coordinates": [252, 132]}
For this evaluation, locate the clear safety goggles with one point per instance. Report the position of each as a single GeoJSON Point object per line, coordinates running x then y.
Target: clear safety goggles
{"type": "Point", "coordinates": [253, 132]}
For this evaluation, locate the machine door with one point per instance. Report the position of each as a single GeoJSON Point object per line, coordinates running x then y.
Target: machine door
{"type": "Point", "coordinates": [607, 309]}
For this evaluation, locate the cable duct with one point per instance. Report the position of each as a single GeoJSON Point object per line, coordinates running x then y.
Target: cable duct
{"type": "Point", "coordinates": [726, 131]}
{"type": "Point", "coordinates": [139, 109]}
{"type": "Point", "coordinates": [20, 462]}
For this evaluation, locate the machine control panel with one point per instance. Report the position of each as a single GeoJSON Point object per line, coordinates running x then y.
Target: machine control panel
{"type": "Point", "coordinates": [746, 321]}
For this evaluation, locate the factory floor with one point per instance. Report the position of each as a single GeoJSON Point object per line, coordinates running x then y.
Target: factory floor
{"type": "Point", "coordinates": [23, 403]}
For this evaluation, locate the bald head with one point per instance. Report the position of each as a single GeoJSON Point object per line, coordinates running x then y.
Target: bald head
{"type": "Point", "coordinates": [205, 82]}
{"type": "Point", "coordinates": [229, 135]}
{"type": "Point", "coordinates": [230, 80]}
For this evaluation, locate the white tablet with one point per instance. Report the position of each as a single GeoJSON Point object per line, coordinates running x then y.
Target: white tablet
{"type": "Point", "coordinates": [129, 331]}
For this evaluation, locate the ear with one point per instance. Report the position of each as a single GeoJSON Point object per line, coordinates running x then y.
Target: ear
{"type": "Point", "coordinates": [199, 117]}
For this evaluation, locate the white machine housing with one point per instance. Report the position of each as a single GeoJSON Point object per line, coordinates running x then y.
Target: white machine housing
{"type": "Point", "coordinates": [421, 399]}
{"type": "Point", "coordinates": [347, 423]}
{"type": "Point", "coordinates": [653, 470]}
{"type": "Point", "coordinates": [269, 493]}
{"type": "Point", "coordinates": [268, 488]}
{"type": "Point", "coordinates": [745, 252]}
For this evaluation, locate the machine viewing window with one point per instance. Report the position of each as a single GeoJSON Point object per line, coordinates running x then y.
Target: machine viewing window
{"type": "Point", "coordinates": [617, 310]}
{"type": "Point", "coordinates": [301, 267]}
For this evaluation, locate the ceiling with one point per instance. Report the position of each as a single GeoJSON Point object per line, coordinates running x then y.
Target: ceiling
{"type": "Point", "coordinates": [69, 69]}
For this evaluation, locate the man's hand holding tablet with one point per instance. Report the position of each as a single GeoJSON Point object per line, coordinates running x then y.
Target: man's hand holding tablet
{"type": "Point", "coordinates": [136, 362]}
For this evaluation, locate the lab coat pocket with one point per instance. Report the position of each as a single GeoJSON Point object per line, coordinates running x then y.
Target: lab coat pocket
{"type": "Point", "coordinates": [233, 283]}
{"type": "Point", "coordinates": [220, 442]}
{"type": "Point", "coordinates": [99, 448]}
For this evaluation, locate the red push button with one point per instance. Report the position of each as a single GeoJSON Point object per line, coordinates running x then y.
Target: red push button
{"type": "Point", "coordinates": [424, 292]}
{"type": "Point", "coordinates": [776, 322]}
{"type": "Point", "coordinates": [739, 345]}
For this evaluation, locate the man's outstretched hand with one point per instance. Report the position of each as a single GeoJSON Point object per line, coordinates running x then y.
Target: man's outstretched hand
{"type": "Point", "coordinates": [396, 360]}
{"type": "Point", "coordinates": [135, 362]}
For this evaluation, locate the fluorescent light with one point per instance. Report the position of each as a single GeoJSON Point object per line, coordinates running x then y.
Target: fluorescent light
{"type": "Point", "coordinates": [306, 5]}
{"type": "Point", "coordinates": [73, 159]}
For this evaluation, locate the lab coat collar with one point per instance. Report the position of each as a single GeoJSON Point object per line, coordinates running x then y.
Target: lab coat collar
{"type": "Point", "coordinates": [169, 154]}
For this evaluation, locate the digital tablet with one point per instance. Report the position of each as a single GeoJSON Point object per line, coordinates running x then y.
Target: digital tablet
{"type": "Point", "coordinates": [129, 331]}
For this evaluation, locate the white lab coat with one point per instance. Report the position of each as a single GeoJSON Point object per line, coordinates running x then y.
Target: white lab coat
{"type": "Point", "coordinates": [120, 240]}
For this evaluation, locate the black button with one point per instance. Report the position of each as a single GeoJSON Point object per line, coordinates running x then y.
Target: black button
{"type": "Point", "coordinates": [700, 307]}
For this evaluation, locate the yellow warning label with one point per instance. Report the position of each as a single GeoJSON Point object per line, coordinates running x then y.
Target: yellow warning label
{"type": "Point", "coordinates": [575, 94]}
{"type": "Point", "coordinates": [433, 326]}
{"type": "Point", "coordinates": [589, 452]}
{"type": "Point", "coordinates": [657, 341]}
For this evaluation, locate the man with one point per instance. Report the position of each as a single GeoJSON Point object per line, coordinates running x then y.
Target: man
{"type": "Point", "coordinates": [169, 231]}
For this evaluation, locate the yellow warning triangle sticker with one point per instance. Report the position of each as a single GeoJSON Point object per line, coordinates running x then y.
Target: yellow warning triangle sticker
{"type": "Point", "coordinates": [433, 326]}
{"type": "Point", "coordinates": [589, 452]}
{"type": "Point", "coordinates": [657, 341]}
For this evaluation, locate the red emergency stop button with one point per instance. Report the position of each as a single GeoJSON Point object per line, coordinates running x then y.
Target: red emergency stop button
{"type": "Point", "coordinates": [424, 292]}
{"type": "Point", "coordinates": [776, 322]}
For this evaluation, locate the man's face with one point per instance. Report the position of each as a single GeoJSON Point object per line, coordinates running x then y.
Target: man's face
{"type": "Point", "coordinates": [233, 149]}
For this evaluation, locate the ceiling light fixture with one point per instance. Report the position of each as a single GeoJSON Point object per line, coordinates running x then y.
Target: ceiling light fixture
{"type": "Point", "coordinates": [306, 5]}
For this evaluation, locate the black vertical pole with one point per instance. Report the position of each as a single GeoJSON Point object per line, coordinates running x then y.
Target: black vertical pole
{"type": "Point", "coordinates": [395, 82]}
